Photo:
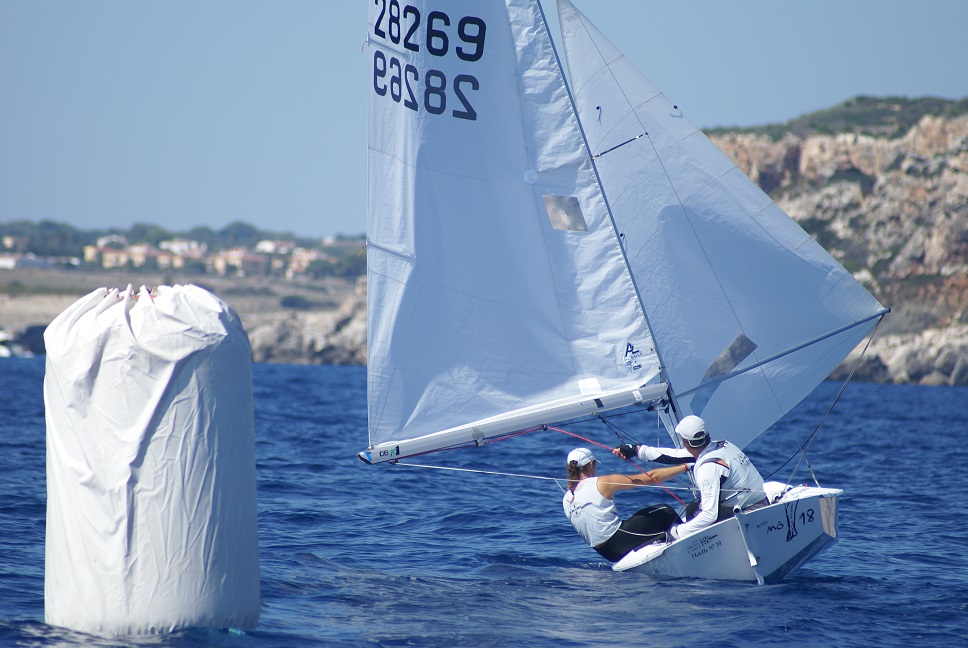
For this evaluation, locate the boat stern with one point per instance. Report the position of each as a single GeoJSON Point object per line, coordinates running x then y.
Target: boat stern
{"type": "Point", "coordinates": [764, 545]}
{"type": "Point", "coordinates": [799, 527]}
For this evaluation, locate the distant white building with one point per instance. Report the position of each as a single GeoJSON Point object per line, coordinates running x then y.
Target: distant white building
{"type": "Point", "coordinates": [114, 240]}
{"type": "Point", "coordinates": [11, 261]}
{"type": "Point", "coordinates": [184, 248]}
{"type": "Point", "coordinates": [15, 243]}
{"type": "Point", "coordinates": [275, 247]}
{"type": "Point", "coordinates": [239, 262]}
{"type": "Point", "coordinates": [301, 259]}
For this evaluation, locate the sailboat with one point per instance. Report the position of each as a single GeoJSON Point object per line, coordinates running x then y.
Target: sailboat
{"type": "Point", "coordinates": [542, 249]}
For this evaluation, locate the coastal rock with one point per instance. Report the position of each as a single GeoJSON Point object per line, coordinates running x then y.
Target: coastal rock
{"type": "Point", "coordinates": [335, 337]}
{"type": "Point", "coordinates": [898, 207]}
{"type": "Point", "coordinates": [893, 210]}
{"type": "Point", "coordinates": [929, 357]}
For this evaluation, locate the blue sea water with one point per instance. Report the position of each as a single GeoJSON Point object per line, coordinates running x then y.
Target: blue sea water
{"type": "Point", "coordinates": [397, 556]}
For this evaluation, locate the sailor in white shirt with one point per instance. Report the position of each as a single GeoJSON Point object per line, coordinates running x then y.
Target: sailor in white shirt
{"type": "Point", "coordinates": [589, 506]}
{"type": "Point", "coordinates": [725, 475]}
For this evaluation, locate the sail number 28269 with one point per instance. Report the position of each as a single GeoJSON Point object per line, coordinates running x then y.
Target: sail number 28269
{"type": "Point", "coordinates": [438, 35]}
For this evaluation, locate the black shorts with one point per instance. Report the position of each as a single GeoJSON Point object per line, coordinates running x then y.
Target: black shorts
{"type": "Point", "coordinates": [648, 525]}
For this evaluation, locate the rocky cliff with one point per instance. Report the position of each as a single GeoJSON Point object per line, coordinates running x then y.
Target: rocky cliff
{"type": "Point", "coordinates": [892, 210]}
{"type": "Point", "coordinates": [316, 337]}
{"type": "Point", "coordinates": [895, 212]}
{"type": "Point", "coordinates": [892, 207]}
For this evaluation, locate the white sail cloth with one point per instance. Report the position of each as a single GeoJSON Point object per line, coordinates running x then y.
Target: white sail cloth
{"type": "Point", "coordinates": [151, 507]}
{"type": "Point", "coordinates": [495, 278]}
{"type": "Point", "coordinates": [528, 247]}
{"type": "Point", "coordinates": [747, 311]}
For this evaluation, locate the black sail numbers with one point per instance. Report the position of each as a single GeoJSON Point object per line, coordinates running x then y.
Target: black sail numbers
{"type": "Point", "coordinates": [405, 32]}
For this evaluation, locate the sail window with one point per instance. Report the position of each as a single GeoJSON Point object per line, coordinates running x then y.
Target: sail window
{"type": "Point", "coordinates": [737, 351]}
{"type": "Point", "coordinates": [565, 213]}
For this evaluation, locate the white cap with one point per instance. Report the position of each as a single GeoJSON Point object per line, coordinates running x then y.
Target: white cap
{"type": "Point", "coordinates": [582, 456]}
{"type": "Point", "coordinates": [691, 428]}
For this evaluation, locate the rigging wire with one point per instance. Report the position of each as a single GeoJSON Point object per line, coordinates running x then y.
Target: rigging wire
{"type": "Point", "coordinates": [640, 468]}
{"type": "Point", "coordinates": [802, 451]}
{"type": "Point", "coordinates": [557, 480]}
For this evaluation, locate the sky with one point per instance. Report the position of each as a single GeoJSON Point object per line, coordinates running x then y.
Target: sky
{"type": "Point", "coordinates": [181, 114]}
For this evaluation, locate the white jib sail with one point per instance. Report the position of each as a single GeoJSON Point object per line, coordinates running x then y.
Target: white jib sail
{"type": "Point", "coordinates": [495, 278]}
{"type": "Point", "coordinates": [748, 312]}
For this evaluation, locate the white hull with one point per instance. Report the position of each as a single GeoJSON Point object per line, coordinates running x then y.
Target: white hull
{"type": "Point", "coordinates": [761, 546]}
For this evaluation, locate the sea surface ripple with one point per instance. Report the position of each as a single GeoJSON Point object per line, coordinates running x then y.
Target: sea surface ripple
{"type": "Point", "coordinates": [362, 555]}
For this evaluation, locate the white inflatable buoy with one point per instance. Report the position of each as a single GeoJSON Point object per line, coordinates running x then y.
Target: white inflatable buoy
{"type": "Point", "coordinates": [151, 495]}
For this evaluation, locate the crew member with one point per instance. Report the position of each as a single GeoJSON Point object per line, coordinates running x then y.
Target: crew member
{"type": "Point", "coordinates": [590, 508]}
{"type": "Point", "coordinates": [725, 475]}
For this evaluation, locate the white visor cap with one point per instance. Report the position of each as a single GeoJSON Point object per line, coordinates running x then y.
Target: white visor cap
{"type": "Point", "coordinates": [581, 456]}
{"type": "Point", "coordinates": [691, 428]}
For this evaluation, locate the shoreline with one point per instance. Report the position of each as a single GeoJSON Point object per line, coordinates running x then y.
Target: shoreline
{"type": "Point", "coordinates": [330, 325]}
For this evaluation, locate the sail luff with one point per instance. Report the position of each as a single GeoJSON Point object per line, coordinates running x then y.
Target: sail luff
{"type": "Point", "coordinates": [674, 412]}
{"type": "Point", "coordinates": [611, 218]}
{"type": "Point", "coordinates": [495, 281]}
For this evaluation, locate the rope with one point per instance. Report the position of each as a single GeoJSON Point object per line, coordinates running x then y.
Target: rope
{"type": "Point", "coordinates": [640, 468]}
{"type": "Point", "coordinates": [558, 480]}
{"type": "Point", "coordinates": [802, 450]}
{"type": "Point", "coordinates": [581, 438]}
{"type": "Point", "coordinates": [480, 472]}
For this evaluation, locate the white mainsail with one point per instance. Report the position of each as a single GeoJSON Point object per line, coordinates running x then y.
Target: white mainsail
{"type": "Point", "coordinates": [496, 280]}
{"type": "Point", "coordinates": [506, 291]}
{"type": "Point", "coordinates": [749, 314]}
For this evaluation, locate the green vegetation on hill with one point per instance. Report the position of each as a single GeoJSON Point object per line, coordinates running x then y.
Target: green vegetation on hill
{"type": "Point", "coordinates": [50, 239]}
{"type": "Point", "coordinates": [47, 238]}
{"type": "Point", "coordinates": [890, 117]}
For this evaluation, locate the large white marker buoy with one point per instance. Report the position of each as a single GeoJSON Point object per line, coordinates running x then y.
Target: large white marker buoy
{"type": "Point", "coordinates": [151, 496]}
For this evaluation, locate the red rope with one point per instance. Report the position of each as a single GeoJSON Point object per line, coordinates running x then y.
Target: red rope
{"type": "Point", "coordinates": [510, 436]}
{"type": "Point", "coordinates": [577, 436]}
{"type": "Point", "coordinates": [609, 448]}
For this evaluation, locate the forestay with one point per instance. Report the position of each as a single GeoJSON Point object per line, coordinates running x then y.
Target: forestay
{"type": "Point", "coordinates": [496, 279]}
{"type": "Point", "coordinates": [748, 312]}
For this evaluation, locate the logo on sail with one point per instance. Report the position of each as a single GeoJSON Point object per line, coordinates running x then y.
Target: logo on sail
{"type": "Point", "coordinates": [632, 362]}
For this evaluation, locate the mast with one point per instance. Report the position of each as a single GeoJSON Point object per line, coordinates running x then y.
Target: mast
{"type": "Point", "coordinates": [473, 169]}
